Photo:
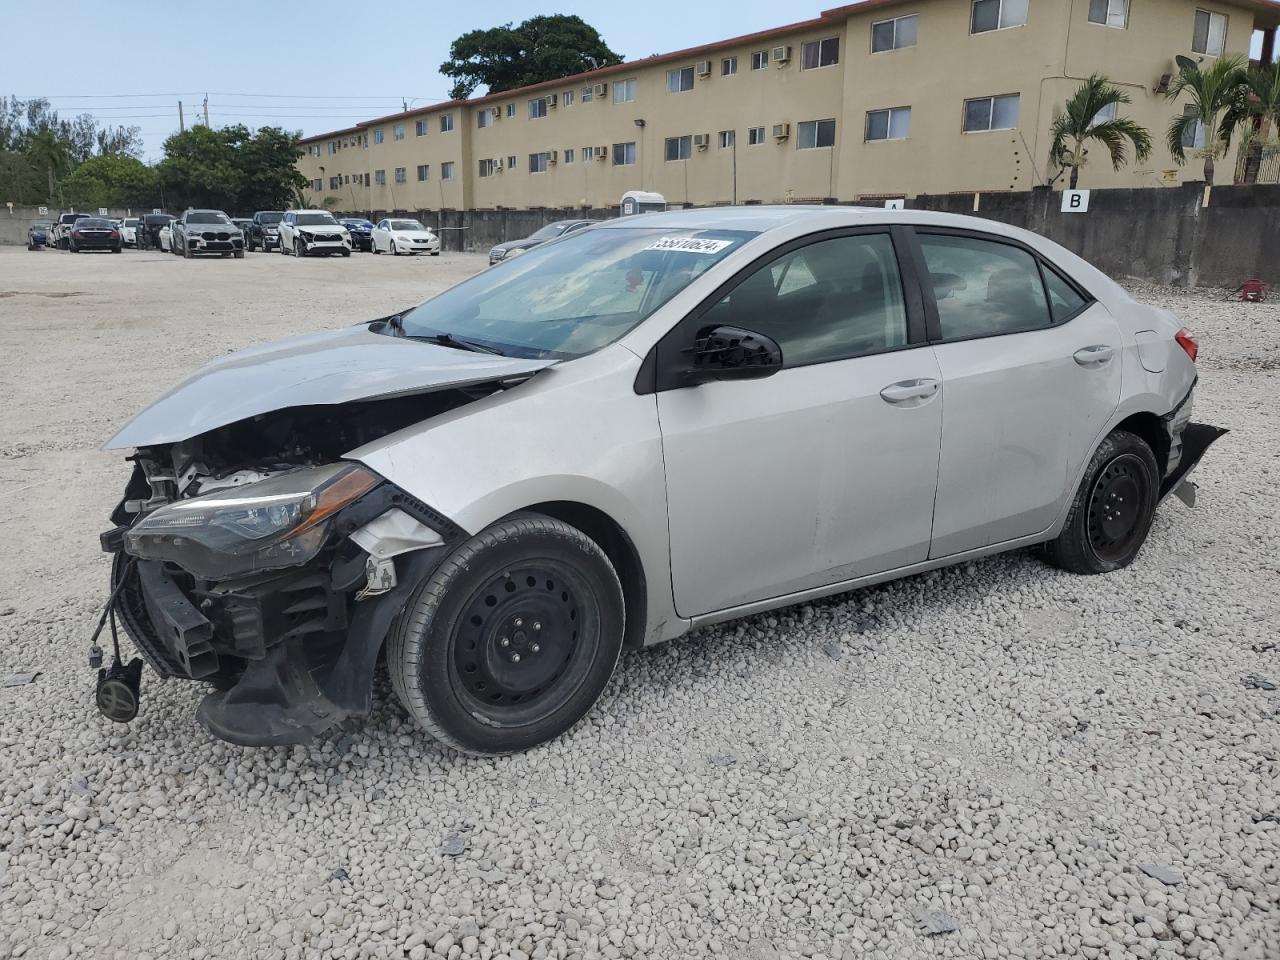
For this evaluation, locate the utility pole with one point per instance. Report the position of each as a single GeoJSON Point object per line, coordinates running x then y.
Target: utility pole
{"type": "Point", "coordinates": [182, 125]}
{"type": "Point", "coordinates": [206, 109]}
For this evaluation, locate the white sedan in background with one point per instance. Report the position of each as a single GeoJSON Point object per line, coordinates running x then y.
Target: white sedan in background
{"type": "Point", "coordinates": [166, 237]}
{"type": "Point", "coordinates": [404, 236]}
{"type": "Point", "coordinates": [129, 231]}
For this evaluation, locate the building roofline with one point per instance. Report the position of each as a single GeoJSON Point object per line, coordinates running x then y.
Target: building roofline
{"type": "Point", "coordinates": [823, 18]}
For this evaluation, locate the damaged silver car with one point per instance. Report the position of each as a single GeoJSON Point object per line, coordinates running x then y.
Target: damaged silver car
{"type": "Point", "coordinates": [656, 424]}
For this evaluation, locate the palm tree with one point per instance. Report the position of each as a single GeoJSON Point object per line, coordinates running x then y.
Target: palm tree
{"type": "Point", "coordinates": [1081, 123]}
{"type": "Point", "coordinates": [1257, 104]}
{"type": "Point", "coordinates": [1212, 93]}
{"type": "Point", "coordinates": [49, 152]}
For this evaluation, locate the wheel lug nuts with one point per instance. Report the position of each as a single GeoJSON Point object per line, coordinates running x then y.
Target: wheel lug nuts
{"type": "Point", "coordinates": [515, 658]}
{"type": "Point", "coordinates": [519, 622]}
{"type": "Point", "coordinates": [534, 648]}
{"type": "Point", "coordinates": [537, 625]}
{"type": "Point", "coordinates": [504, 642]}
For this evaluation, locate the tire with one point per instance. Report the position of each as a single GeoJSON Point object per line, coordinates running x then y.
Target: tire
{"type": "Point", "coordinates": [73, 248]}
{"type": "Point", "coordinates": [238, 254]}
{"type": "Point", "coordinates": [1111, 514]}
{"type": "Point", "coordinates": [346, 253]}
{"type": "Point", "coordinates": [284, 252]}
{"type": "Point", "coordinates": [186, 251]}
{"type": "Point", "coordinates": [298, 249]}
{"type": "Point", "coordinates": [373, 247]}
{"type": "Point", "coordinates": [116, 249]}
{"type": "Point", "coordinates": [446, 655]}
{"type": "Point", "coordinates": [435, 253]}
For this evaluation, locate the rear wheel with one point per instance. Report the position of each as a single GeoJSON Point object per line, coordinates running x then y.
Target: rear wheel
{"type": "Point", "coordinates": [511, 640]}
{"type": "Point", "coordinates": [1113, 508]}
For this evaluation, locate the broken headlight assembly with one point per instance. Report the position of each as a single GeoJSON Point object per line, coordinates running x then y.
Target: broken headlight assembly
{"type": "Point", "coordinates": [278, 522]}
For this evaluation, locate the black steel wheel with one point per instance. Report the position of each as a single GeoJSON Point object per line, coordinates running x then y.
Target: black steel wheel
{"type": "Point", "coordinates": [1113, 508]}
{"type": "Point", "coordinates": [510, 641]}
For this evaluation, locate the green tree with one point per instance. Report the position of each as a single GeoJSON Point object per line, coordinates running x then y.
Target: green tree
{"type": "Point", "coordinates": [230, 168]}
{"type": "Point", "coordinates": [268, 160]}
{"type": "Point", "coordinates": [1258, 103]}
{"type": "Point", "coordinates": [539, 49]}
{"type": "Point", "coordinates": [49, 154]}
{"type": "Point", "coordinates": [112, 180]}
{"type": "Point", "coordinates": [1079, 125]}
{"type": "Point", "coordinates": [1212, 94]}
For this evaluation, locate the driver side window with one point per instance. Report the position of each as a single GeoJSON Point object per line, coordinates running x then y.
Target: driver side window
{"type": "Point", "coordinates": [830, 300]}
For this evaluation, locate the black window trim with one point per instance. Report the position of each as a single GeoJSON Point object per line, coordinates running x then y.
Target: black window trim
{"type": "Point", "coordinates": [664, 363]}
{"type": "Point", "coordinates": [932, 322]}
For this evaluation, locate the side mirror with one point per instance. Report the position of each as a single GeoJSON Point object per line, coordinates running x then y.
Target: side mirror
{"type": "Point", "coordinates": [732, 353]}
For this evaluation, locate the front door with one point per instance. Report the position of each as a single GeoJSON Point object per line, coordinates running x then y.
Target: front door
{"type": "Point", "coordinates": [824, 471]}
{"type": "Point", "coordinates": [1030, 371]}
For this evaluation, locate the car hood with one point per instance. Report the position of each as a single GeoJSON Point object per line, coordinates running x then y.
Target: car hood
{"type": "Point", "coordinates": [518, 245]}
{"type": "Point", "coordinates": [333, 367]}
{"type": "Point", "coordinates": [425, 234]}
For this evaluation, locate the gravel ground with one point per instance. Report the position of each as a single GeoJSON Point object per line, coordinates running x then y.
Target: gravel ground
{"type": "Point", "coordinates": [994, 760]}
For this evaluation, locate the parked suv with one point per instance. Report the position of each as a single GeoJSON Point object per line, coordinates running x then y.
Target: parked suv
{"type": "Point", "coordinates": [264, 232]}
{"type": "Point", "coordinates": [147, 234]}
{"type": "Point", "coordinates": [61, 236]}
{"type": "Point", "coordinates": [307, 232]}
{"type": "Point", "coordinates": [206, 231]}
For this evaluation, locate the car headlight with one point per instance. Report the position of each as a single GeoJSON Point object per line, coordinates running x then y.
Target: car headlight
{"type": "Point", "coordinates": [282, 521]}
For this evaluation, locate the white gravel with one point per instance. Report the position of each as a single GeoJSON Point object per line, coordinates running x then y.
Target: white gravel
{"type": "Point", "coordinates": [995, 760]}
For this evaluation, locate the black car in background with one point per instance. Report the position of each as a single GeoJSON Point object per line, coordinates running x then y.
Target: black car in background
{"type": "Point", "coordinates": [244, 223]}
{"type": "Point", "coordinates": [95, 233]}
{"type": "Point", "coordinates": [361, 232]}
{"type": "Point", "coordinates": [550, 232]}
{"type": "Point", "coordinates": [263, 231]}
{"type": "Point", "coordinates": [149, 226]}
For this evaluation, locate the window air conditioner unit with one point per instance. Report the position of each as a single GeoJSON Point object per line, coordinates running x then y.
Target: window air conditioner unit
{"type": "Point", "coordinates": [780, 54]}
{"type": "Point", "coordinates": [599, 90]}
{"type": "Point", "coordinates": [497, 113]}
{"type": "Point", "coordinates": [781, 131]}
{"type": "Point", "coordinates": [701, 140]}
{"type": "Point", "coordinates": [602, 153]}
{"type": "Point", "coordinates": [553, 156]}
{"type": "Point", "coordinates": [552, 101]}
{"type": "Point", "coordinates": [704, 68]}
{"type": "Point", "coordinates": [497, 166]}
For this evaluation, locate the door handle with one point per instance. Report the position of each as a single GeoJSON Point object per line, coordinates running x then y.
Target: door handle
{"type": "Point", "coordinates": [907, 390]}
{"type": "Point", "coordinates": [1094, 356]}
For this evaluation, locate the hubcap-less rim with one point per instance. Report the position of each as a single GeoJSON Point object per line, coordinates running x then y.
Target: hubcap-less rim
{"type": "Point", "coordinates": [1117, 505]}
{"type": "Point", "coordinates": [513, 649]}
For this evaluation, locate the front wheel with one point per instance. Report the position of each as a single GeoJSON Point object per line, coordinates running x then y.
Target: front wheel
{"type": "Point", "coordinates": [238, 254]}
{"type": "Point", "coordinates": [1113, 508]}
{"type": "Point", "coordinates": [511, 640]}
{"type": "Point", "coordinates": [298, 249]}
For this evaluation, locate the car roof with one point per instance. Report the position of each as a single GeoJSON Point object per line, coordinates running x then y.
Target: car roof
{"type": "Point", "coordinates": [305, 211]}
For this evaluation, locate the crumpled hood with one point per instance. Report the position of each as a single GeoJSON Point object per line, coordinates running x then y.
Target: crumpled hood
{"type": "Point", "coordinates": [332, 367]}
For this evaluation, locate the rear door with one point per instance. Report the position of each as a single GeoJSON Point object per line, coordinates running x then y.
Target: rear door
{"type": "Point", "coordinates": [1031, 372]}
{"type": "Point", "coordinates": [824, 471]}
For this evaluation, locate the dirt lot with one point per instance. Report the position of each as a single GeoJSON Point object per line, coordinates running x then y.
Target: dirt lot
{"type": "Point", "coordinates": [1058, 766]}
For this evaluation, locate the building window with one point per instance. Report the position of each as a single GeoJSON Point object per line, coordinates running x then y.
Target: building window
{"type": "Point", "coordinates": [380, 177]}
{"type": "Point", "coordinates": [335, 183]}
{"type": "Point", "coordinates": [397, 132]}
{"type": "Point", "coordinates": [1110, 13]}
{"type": "Point", "coordinates": [568, 155]}
{"type": "Point", "coordinates": [333, 148]}
{"type": "Point", "coordinates": [624, 154]}
{"type": "Point", "coordinates": [727, 138]}
{"type": "Point", "coordinates": [759, 59]}
{"type": "Point", "coordinates": [624, 91]}
{"type": "Point", "coordinates": [378, 135]}
{"type": "Point", "coordinates": [446, 122]}
{"type": "Point", "coordinates": [728, 66]}
{"type": "Point", "coordinates": [991, 113]}
{"type": "Point", "coordinates": [587, 154]}
{"type": "Point", "coordinates": [988, 15]}
{"type": "Point", "coordinates": [1105, 115]}
{"type": "Point", "coordinates": [424, 172]}
{"type": "Point", "coordinates": [679, 80]}
{"type": "Point", "coordinates": [511, 109]}
{"type": "Point", "coordinates": [484, 118]}
{"type": "Point", "coordinates": [891, 124]}
{"type": "Point", "coordinates": [812, 134]}
{"type": "Point", "coordinates": [446, 170]}
{"type": "Point", "coordinates": [317, 185]}
{"type": "Point", "coordinates": [587, 94]}
{"type": "Point", "coordinates": [400, 176]}
{"type": "Point", "coordinates": [537, 108]}
{"type": "Point", "coordinates": [755, 135]}
{"type": "Point", "coordinates": [486, 167]}
{"type": "Point", "coordinates": [421, 127]}
{"type": "Point", "coordinates": [1192, 133]}
{"type": "Point", "coordinates": [511, 162]}
{"type": "Point", "coordinates": [820, 53]}
{"type": "Point", "coordinates": [894, 34]}
{"type": "Point", "coordinates": [538, 162]}
{"type": "Point", "coordinates": [678, 148]}
{"type": "Point", "coordinates": [1210, 36]}
{"type": "Point", "coordinates": [567, 98]}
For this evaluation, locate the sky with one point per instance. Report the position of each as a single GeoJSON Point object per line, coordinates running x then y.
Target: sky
{"type": "Point", "coordinates": [314, 66]}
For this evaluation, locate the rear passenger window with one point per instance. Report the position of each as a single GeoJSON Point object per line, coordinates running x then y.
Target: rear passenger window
{"type": "Point", "coordinates": [830, 300]}
{"type": "Point", "coordinates": [982, 287]}
{"type": "Point", "coordinates": [1063, 299]}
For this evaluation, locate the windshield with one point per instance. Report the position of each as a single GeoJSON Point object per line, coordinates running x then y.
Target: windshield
{"type": "Point", "coordinates": [270, 217]}
{"type": "Point", "coordinates": [363, 224]}
{"type": "Point", "coordinates": [42, 224]}
{"type": "Point", "coordinates": [550, 231]}
{"type": "Point", "coordinates": [207, 216]}
{"type": "Point", "coordinates": [94, 224]}
{"type": "Point", "coordinates": [316, 220]}
{"type": "Point", "coordinates": [130, 221]}
{"type": "Point", "coordinates": [406, 225]}
{"type": "Point", "coordinates": [569, 298]}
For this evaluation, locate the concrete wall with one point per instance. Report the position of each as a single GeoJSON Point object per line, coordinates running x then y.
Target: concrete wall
{"type": "Point", "coordinates": [14, 221]}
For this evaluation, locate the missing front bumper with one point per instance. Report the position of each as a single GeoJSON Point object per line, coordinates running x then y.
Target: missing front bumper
{"type": "Point", "coordinates": [1196, 439]}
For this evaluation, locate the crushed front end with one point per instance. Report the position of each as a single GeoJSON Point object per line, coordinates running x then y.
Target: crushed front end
{"type": "Point", "coordinates": [255, 559]}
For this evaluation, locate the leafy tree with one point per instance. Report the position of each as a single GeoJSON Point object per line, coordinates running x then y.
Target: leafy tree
{"type": "Point", "coordinates": [112, 180]}
{"type": "Point", "coordinates": [119, 140]}
{"type": "Point", "coordinates": [1213, 93]}
{"type": "Point", "coordinates": [539, 49]}
{"type": "Point", "coordinates": [50, 154]}
{"type": "Point", "coordinates": [268, 160]}
{"type": "Point", "coordinates": [230, 168]}
{"type": "Point", "coordinates": [1258, 102]}
{"type": "Point", "coordinates": [1073, 130]}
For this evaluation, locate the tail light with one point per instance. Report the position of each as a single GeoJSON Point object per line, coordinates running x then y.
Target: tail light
{"type": "Point", "coordinates": [115, 233]}
{"type": "Point", "coordinates": [1187, 341]}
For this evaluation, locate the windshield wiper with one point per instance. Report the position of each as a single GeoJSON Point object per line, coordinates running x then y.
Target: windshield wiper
{"type": "Point", "coordinates": [458, 343]}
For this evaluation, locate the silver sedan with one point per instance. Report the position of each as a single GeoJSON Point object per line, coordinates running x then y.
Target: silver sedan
{"type": "Point", "coordinates": [659, 423]}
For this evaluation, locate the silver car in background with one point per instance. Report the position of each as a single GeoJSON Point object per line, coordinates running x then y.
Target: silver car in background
{"type": "Point", "coordinates": [659, 423]}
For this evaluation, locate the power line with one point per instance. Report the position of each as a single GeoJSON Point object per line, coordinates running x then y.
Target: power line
{"type": "Point", "coordinates": [200, 93]}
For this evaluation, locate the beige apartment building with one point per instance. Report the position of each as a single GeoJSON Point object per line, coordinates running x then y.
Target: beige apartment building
{"type": "Point", "coordinates": [879, 98]}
